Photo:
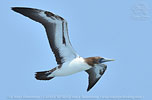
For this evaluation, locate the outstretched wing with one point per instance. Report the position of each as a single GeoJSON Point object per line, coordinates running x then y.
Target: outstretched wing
{"type": "Point", "coordinates": [95, 74]}
{"type": "Point", "coordinates": [56, 29]}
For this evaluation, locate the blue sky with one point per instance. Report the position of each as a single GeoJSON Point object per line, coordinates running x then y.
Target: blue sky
{"type": "Point", "coordinates": [116, 29]}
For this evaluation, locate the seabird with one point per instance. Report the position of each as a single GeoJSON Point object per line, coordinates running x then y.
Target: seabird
{"type": "Point", "coordinates": [69, 62]}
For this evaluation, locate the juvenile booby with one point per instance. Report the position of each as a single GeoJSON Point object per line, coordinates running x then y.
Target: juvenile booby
{"type": "Point", "coordinates": [69, 62]}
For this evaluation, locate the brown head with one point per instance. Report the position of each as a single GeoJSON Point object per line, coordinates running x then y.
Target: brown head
{"type": "Point", "coordinates": [92, 61]}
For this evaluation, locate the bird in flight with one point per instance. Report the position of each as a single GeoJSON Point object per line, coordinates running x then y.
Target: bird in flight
{"type": "Point", "coordinates": [68, 61]}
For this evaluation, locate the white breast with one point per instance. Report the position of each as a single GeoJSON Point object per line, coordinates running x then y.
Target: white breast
{"type": "Point", "coordinates": [71, 67]}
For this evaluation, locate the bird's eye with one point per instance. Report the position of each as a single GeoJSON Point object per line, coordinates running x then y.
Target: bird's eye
{"type": "Point", "coordinates": [100, 60]}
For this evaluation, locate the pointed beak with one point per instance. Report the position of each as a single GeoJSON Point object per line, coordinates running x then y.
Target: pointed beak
{"type": "Point", "coordinates": [107, 60]}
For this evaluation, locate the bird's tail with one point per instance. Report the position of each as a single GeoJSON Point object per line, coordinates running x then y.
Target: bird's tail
{"type": "Point", "coordinates": [44, 75]}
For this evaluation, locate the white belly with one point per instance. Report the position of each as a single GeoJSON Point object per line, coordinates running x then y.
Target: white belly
{"type": "Point", "coordinates": [71, 67]}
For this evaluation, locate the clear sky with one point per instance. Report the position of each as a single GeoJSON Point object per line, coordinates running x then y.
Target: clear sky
{"type": "Point", "coordinates": [118, 29]}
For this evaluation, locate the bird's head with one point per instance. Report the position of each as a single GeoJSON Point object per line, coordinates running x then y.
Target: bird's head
{"type": "Point", "coordinates": [92, 61]}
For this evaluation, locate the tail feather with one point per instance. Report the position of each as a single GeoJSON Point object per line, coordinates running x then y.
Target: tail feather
{"type": "Point", "coordinates": [44, 75]}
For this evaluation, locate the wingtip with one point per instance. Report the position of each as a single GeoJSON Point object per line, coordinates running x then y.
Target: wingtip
{"type": "Point", "coordinates": [88, 89]}
{"type": "Point", "coordinates": [16, 8]}
{"type": "Point", "coordinates": [13, 8]}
